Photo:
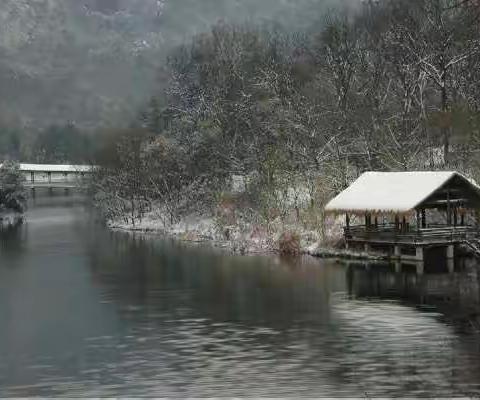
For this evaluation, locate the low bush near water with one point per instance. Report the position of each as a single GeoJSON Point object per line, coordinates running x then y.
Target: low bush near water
{"type": "Point", "coordinates": [289, 244]}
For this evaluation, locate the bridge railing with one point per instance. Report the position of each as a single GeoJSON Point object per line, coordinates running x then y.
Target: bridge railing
{"type": "Point", "coordinates": [54, 175]}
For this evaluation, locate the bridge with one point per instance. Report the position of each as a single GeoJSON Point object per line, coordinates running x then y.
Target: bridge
{"type": "Point", "coordinates": [53, 176]}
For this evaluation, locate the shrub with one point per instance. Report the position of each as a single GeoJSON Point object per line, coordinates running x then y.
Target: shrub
{"type": "Point", "coordinates": [289, 244]}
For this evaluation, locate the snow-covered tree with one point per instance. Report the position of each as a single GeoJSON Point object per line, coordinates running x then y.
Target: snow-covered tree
{"type": "Point", "coordinates": [12, 190]}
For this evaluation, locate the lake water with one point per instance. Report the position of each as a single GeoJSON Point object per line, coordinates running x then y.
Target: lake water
{"type": "Point", "coordinates": [88, 312]}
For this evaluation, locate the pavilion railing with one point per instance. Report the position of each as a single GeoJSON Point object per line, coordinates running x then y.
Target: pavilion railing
{"type": "Point", "coordinates": [391, 233]}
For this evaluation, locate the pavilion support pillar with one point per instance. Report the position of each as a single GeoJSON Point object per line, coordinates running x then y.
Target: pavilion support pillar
{"type": "Point", "coordinates": [449, 209]}
{"type": "Point", "coordinates": [398, 267]}
{"type": "Point", "coordinates": [419, 254]}
{"type": "Point", "coordinates": [368, 220]}
{"type": "Point", "coordinates": [451, 265]}
{"type": "Point", "coordinates": [455, 216]}
{"type": "Point", "coordinates": [424, 218]}
{"type": "Point", "coordinates": [347, 226]}
{"type": "Point", "coordinates": [450, 252]}
{"type": "Point", "coordinates": [397, 252]}
{"type": "Point", "coordinates": [420, 268]}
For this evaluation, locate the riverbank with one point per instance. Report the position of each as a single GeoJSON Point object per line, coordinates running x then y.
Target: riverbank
{"type": "Point", "coordinates": [238, 238]}
{"type": "Point", "coordinates": [245, 238]}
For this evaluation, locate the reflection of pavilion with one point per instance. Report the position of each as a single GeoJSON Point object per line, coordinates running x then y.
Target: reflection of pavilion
{"type": "Point", "coordinates": [456, 296]}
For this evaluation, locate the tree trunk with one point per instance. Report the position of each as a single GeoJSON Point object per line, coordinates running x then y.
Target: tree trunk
{"type": "Point", "coordinates": [445, 128]}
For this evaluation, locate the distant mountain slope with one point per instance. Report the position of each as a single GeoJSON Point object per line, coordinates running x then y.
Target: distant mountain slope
{"type": "Point", "coordinates": [94, 62]}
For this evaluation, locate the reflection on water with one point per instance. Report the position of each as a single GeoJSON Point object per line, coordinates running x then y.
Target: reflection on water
{"type": "Point", "coordinates": [88, 312]}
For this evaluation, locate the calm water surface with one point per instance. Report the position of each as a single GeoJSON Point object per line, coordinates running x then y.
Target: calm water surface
{"type": "Point", "coordinates": [88, 312]}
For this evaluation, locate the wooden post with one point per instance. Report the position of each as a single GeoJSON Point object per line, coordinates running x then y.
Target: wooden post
{"type": "Point", "coordinates": [397, 252]}
{"type": "Point", "coordinates": [420, 267]}
{"type": "Point", "coordinates": [32, 176]}
{"type": "Point", "coordinates": [477, 219]}
{"type": "Point", "coordinates": [347, 229]}
{"type": "Point", "coordinates": [455, 216]}
{"type": "Point", "coordinates": [404, 224]}
{"type": "Point", "coordinates": [450, 251]}
{"type": "Point", "coordinates": [451, 265]}
{"type": "Point", "coordinates": [418, 220]}
{"type": "Point", "coordinates": [462, 219]}
{"type": "Point", "coordinates": [424, 219]}
{"type": "Point", "coordinates": [419, 255]}
{"type": "Point", "coordinates": [449, 209]}
{"type": "Point", "coordinates": [49, 177]}
{"type": "Point", "coordinates": [398, 267]}
{"type": "Point", "coordinates": [376, 222]}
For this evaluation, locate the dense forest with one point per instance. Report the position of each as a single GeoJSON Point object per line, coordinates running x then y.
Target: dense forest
{"type": "Point", "coordinates": [254, 112]}
{"type": "Point", "coordinates": [293, 117]}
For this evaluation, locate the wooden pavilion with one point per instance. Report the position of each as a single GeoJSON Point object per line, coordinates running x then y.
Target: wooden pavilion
{"type": "Point", "coordinates": [408, 212]}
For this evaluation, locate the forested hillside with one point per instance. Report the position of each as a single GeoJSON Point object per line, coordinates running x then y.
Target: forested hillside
{"type": "Point", "coordinates": [92, 64]}
{"type": "Point", "coordinates": [299, 114]}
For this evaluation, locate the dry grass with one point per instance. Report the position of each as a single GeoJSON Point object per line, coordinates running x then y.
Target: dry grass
{"type": "Point", "coordinates": [289, 244]}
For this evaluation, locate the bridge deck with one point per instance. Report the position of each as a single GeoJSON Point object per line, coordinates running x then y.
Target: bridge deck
{"type": "Point", "coordinates": [53, 185]}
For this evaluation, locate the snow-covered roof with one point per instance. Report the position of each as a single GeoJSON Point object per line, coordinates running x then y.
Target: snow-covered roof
{"type": "Point", "coordinates": [390, 192]}
{"type": "Point", "coordinates": [54, 168]}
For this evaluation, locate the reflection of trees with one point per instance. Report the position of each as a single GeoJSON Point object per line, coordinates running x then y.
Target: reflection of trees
{"type": "Point", "coordinates": [11, 237]}
{"type": "Point", "coordinates": [169, 275]}
{"type": "Point", "coordinates": [217, 318]}
{"type": "Point", "coordinates": [252, 314]}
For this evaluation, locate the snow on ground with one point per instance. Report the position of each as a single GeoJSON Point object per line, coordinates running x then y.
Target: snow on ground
{"type": "Point", "coordinates": [240, 237]}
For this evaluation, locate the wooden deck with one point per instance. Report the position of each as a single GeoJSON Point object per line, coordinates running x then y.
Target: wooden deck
{"type": "Point", "coordinates": [52, 185]}
{"type": "Point", "coordinates": [432, 235]}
